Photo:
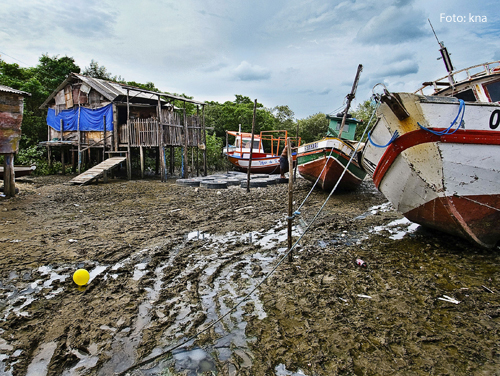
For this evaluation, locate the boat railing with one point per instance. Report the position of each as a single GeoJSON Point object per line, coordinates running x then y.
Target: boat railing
{"type": "Point", "coordinates": [452, 80]}
{"type": "Point", "coordinates": [276, 138]}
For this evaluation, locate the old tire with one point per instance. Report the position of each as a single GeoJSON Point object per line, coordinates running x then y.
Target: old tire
{"type": "Point", "coordinates": [214, 184]}
{"type": "Point", "coordinates": [188, 182]}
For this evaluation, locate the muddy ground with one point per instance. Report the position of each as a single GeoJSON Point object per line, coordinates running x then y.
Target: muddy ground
{"type": "Point", "coordinates": [166, 261]}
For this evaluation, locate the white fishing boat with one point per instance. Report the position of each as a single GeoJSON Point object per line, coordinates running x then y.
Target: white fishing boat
{"type": "Point", "coordinates": [436, 157]}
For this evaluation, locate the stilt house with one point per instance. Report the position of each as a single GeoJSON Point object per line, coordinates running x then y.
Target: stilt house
{"type": "Point", "coordinates": [89, 116]}
{"type": "Point", "coordinates": [11, 117]}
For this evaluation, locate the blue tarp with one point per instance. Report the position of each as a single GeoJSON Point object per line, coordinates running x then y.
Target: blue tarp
{"type": "Point", "coordinates": [90, 120]}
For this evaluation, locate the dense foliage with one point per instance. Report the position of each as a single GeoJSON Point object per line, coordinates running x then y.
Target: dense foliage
{"type": "Point", "coordinates": [42, 80]}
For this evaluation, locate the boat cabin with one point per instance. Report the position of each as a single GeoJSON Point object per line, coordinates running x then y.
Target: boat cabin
{"type": "Point", "coordinates": [242, 143]}
{"type": "Point", "coordinates": [479, 83]}
{"type": "Point", "coordinates": [349, 127]}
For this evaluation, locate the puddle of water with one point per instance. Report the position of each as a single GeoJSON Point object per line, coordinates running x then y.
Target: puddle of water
{"type": "Point", "coordinates": [280, 370]}
{"type": "Point", "coordinates": [40, 363]}
{"type": "Point", "coordinates": [3, 371]}
{"type": "Point", "coordinates": [193, 362]}
{"type": "Point", "coordinates": [376, 209]}
{"type": "Point", "coordinates": [96, 271]}
{"type": "Point", "coordinates": [398, 228]}
{"type": "Point", "coordinates": [139, 271]}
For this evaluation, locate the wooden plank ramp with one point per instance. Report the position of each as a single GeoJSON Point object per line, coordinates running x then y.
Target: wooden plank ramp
{"type": "Point", "coordinates": [97, 171]}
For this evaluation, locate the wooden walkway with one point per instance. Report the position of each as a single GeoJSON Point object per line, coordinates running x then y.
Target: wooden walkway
{"type": "Point", "coordinates": [98, 171]}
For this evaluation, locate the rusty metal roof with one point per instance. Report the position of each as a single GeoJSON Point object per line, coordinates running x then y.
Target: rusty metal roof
{"type": "Point", "coordinates": [7, 89]}
{"type": "Point", "coordinates": [114, 91]}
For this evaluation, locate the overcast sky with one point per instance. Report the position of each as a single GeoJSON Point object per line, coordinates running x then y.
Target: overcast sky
{"type": "Point", "coordinates": [300, 53]}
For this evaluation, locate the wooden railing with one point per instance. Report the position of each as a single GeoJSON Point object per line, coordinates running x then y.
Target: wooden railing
{"type": "Point", "coordinates": [146, 132]}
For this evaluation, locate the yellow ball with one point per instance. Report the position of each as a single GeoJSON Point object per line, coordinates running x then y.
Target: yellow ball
{"type": "Point", "coordinates": [81, 277]}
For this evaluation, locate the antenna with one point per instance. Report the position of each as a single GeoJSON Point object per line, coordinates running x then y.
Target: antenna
{"type": "Point", "coordinates": [433, 31]}
{"type": "Point", "coordinates": [444, 52]}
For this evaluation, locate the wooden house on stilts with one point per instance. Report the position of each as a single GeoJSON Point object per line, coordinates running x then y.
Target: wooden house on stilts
{"type": "Point", "coordinates": [90, 118]}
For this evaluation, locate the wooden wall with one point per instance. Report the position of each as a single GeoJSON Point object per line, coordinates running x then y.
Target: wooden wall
{"type": "Point", "coordinates": [11, 117]}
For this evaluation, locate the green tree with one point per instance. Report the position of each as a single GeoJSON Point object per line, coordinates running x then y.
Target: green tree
{"type": "Point", "coordinates": [363, 112]}
{"type": "Point", "coordinates": [285, 119]}
{"type": "Point", "coordinates": [40, 82]}
{"type": "Point", "coordinates": [313, 128]}
{"type": "Point", "coordinates": [228, 116]}
{"type": "Point", "coordinates": [95, 70]}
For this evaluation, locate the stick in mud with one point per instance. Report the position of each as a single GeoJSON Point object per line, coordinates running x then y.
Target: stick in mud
{"type": "Point", "coordinates": [290, 196]}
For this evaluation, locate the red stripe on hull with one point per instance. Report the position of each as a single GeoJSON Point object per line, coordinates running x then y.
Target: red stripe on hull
{"type": "Point", "coordinates": [332, 172]}
{"type": "Point", "coordinates": [420, 136]}
{"type": "Point", "coordinates": [473, 217]}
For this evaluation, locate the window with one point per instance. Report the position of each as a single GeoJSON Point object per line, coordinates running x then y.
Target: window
{"type": "Point", "coordinates": [467, 95]}
{"type": "Point", "coordinates": [493, 91]}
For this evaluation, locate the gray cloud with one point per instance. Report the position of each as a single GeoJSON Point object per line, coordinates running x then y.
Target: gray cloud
{"type": "Point", "coordinates": [398, 68]}
{"type": "Point", "coordinates": [213, 67]}
{"type": "Point", "coordinates": [248, 72]}
{"type": "Point", "coordinates": [396, 24]}
{"type": "Point", "coordinates": [86, 19]}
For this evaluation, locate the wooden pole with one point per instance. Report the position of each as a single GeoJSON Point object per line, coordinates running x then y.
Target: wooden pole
{"type": "Point", "coordinates": [49, 155]}
{"type": "Point", "coordinates": [129, 131]}
{"type": "Point", "coordinates": [186, 139]}
{"type": "Point", "coordinates": [104, 140]}
{"type": "Point", "coordinates": [157, 160]}
{"type": "Point", "coordinates": [296, 145]}
{"type": "Point", "coordinates": [350, 97]}
{"type": "Point", "coordinates": [115, 128]}
{"type": "Point", "coordinates": [61, 128]}
{"type": "Point", "coordinates": [9, 181]}
{"type": "Point", "coordinates": [172, 160]}
{"type": "Point", "coordinates": [79, 141]}
{"type": "Point", "coordinates": [290, 197]}
{"type": "Point", "coordinates": [63, 161]}
{"type": "Point", "coordinates": [204, 133]}
{"type": "Point", "coordinates": [251, 145]}
{"type": "Point", "coordinates": [161, 149]}
{"type": "Point", "coordinates": [198, 123]}
{"type": "Point", "coordinates": [141, 151]}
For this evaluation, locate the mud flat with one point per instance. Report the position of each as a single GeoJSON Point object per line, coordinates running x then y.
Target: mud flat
{"type": "Point", "coordinates": [167, 260]}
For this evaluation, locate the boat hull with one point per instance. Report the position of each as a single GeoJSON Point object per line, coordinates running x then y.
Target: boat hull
{"type": "Point", "coordinates": [263, 165]}
{"type": "Point", "coordinates": [336, 155]}
{"type": "Point", "coordinates": [449, 182]}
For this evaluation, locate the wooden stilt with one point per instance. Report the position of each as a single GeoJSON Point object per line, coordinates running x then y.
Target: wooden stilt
{"type": "Point", "coordinates": [49, 156]}
{"type": "Point", "coordinates": [204, 135]}
{"type": "Point", "coordinates": [141, 151]}
{"type": "Point", "coordinates": [186, 139]}
{"type": "Point", "coordinates": [73, 161]}
{"type": "Point", "coordinates": [129, 155]}
{"type": "Point", "coordinates": [9, 183]}
{"type": "Point", "coordinates": [63, 161]}
{"type": "Point", "coordinates": [172, 160]}
{"type": "Point", "coordinates": [157, 160]}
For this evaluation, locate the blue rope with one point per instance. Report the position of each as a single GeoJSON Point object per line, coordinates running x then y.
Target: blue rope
{"type": "Point", "coordinates": [461, 112]}
{"type": "Point", "coordinates": [393, 138]}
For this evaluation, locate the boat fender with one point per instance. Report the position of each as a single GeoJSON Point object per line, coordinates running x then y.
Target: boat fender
{"type": "Point", "coordinates": [394, 103]}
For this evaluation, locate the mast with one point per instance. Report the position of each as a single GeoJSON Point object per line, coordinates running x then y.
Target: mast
{"type": "Point", "coordinates": [350, 97]}
{"type": "Point", "coordinates": [444, 55]}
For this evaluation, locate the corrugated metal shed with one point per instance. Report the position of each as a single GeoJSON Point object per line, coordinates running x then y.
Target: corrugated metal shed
{"type": "Point", "coordinates": [7, 89]}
